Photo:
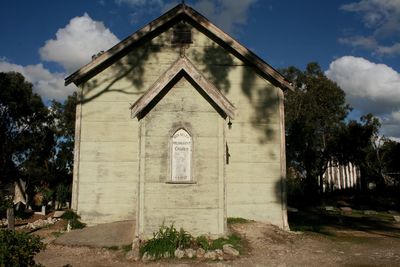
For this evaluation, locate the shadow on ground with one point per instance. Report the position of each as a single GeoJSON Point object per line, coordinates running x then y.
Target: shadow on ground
{"type": "Point", "coordinates": [103, 235]}
{"type": "Point", "coordinates": [338, 223]}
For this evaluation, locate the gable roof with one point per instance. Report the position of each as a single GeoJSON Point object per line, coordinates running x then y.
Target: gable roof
{"type": "Point", "coordinates": [183, 65]}
{"type": "Point", "coordinates": [180, 12]}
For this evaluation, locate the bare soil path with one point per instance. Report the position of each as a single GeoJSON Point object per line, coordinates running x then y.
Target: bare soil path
{"type": "Point", "coordinates": [266, 245]}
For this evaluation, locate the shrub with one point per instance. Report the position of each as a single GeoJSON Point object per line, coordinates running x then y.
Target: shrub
{"type": "Point", "coordinates": [166, 241]}
{"type": "Point", "coordinates": [18, 249]}
{"type": "Point", "coordinates": [73, 219]}
{"type": "Point", "coordinates": [62, 195]}
{"type": "Point", "coordinates": [233, 239]}
{"type": "Point", "coordinates": [203, 242]}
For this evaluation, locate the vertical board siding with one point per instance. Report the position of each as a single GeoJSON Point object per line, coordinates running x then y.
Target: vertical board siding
{"type": "Point", "coordinates": [192, 206]}
{"type": "Point", "coordinates": [110, 149]}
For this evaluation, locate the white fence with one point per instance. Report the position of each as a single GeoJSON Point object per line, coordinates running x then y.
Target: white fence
{"type": "Point", "coordinates": [338, 177]}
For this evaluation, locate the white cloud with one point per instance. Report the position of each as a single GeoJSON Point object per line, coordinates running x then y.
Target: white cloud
{"type": "Point", "coordinates": [389, 50]}
{"type": "Point", "coordinates": [383, 18]}
{"type": "Point", "coordinates": [75, 44]}
{"type": "Point", "coordinates": [370, 87]}
{"type": "Point", "coordinates": [48, 85]}
{"type": "Point", "coordinates": [376, 13]}
{"type": "Point", "coordinates": [360, 41]}
{"type": "Point", "coordinates": [226, 14]}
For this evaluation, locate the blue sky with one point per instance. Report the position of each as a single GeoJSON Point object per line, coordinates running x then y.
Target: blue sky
{"type": "Point", "coordinates": [356, 42]}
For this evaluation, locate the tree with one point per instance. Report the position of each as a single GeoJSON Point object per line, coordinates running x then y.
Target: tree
{"type": "Point", "coordinates": [391, 159]}
{"type": "Point", "coordinates": [22, 118]}
{"type": "Point", "coordinates": [358, 142]}
{"type": "Point", "coordinates": [63, 116]}
{"type": "Point", "coordinates": [314, 114]}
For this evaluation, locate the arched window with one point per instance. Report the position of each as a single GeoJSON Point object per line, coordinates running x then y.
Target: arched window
{"type": "Point", "coordinates": [181, 157]}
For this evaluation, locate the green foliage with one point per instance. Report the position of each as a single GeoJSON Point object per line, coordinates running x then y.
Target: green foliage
{"type": "Point", "coordinates": [25, 138]}
{"type": "Point", "coordinates": [62, 194]}
{"type": "Point", "coordinates": [313, 114]}
{"type": "Point", "coordinates": [166, 241]}
{"type": "Point", "coordinates": [70, 215]}
{"type": "Point", "coordinates": [73, 219]}
{"type": "Point", "coordinates": [203, 242]}
{"type": "Point", "coordinates": [18, 249]}
{"type": "Point", "coordinates": [5, 203]}
{"type": "Point", "coordinates": [233, 239]}
{"type": "Point", "coordinates": [231, 220]}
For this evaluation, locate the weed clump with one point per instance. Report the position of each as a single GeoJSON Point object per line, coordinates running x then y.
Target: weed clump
{"type": "Point", "coordinates": [73, 219]}
{"type": "Point", "coordinates": [166, 241]}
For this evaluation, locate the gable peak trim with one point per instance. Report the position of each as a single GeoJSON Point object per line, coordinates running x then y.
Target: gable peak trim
{"type": "Point", "coordinates": [183, 64]}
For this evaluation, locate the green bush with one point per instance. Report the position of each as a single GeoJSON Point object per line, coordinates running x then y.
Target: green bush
{"type": "Point", "coordinates": [233, 239]}
{"type": "Point", "coordinates": [62, 194]}
{"type": "Point", "coordinates": [166, 241]}
{"type": "Point", "coordinates": [73, 219]}
{"type": "Point", "coordinates": [203, 242]}
{"type": "Point", "coordinates": [18, 249]}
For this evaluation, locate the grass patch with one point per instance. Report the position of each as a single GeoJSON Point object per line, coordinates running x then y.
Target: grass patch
{"type": "Point", "coordinates": [114, 248]}
{"type": "Point", "coordinates": [232, 220]}
{"type": "Point", "coordinates": [233, 239]}
{"type": "Point", "coordinates": [166, 241]}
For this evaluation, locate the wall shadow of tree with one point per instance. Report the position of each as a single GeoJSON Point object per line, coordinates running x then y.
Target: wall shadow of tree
{"type": "Point", "coordinates": [130, 67]}
{"type": "Point", "coordinates": [217, 63]}
{"type": "Point", "coordinates": [265, 103]}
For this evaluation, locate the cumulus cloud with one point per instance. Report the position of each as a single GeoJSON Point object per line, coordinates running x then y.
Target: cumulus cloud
{"type": "Point", "coordinates": [45, 83]}
{"type": "Point", "coordinates": [75, 44]}
{"type": "Point", "coordinates": [370, 88]}
{"type": "Point", "coordinates": [382, 17]}
{"type": "Point", "coordinates": [227, 14]}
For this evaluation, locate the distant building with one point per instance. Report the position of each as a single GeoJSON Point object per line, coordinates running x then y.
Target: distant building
{"type": "Point", "coordinates": [179, 123]}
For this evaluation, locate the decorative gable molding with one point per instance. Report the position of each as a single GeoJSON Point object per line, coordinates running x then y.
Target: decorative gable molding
{"type": "Point", "coordinates": [183, 65]}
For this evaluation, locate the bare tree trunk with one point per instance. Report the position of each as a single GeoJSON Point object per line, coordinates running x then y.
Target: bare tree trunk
{"type": "Point", "coordinates": [11, 218]}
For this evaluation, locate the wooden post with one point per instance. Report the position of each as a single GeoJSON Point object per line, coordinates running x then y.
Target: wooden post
{"type": "Point", "coordinates": [11, 218]}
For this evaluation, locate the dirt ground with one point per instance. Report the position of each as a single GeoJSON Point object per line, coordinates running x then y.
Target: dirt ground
{"type": "Point", "coordinates": [370, 243]}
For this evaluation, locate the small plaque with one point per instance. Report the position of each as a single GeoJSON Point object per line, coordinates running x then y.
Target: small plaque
{"type": "Point", "coordinates": [181, 156]}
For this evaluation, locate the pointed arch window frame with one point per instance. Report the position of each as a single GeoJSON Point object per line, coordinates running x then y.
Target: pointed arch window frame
{"type": "Point", "coordinates": [170, 178]}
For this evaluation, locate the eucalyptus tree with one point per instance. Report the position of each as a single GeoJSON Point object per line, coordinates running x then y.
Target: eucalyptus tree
{"type": "Point", "coordinates": [314, 112]}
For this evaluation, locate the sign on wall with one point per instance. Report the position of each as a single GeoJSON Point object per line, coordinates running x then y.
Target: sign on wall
{"type": "Point", "coordinates": [181, 156]}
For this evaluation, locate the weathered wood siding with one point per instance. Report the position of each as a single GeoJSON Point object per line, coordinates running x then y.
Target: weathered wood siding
{"type": "Point", "coordinates": [197, 207]}
{"type": "Point", "coordinates": [108, 170]}
{"type": "Point", "coordinates": [106, 187]}
{"type": "Point", "coordinates": [254, 172]}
